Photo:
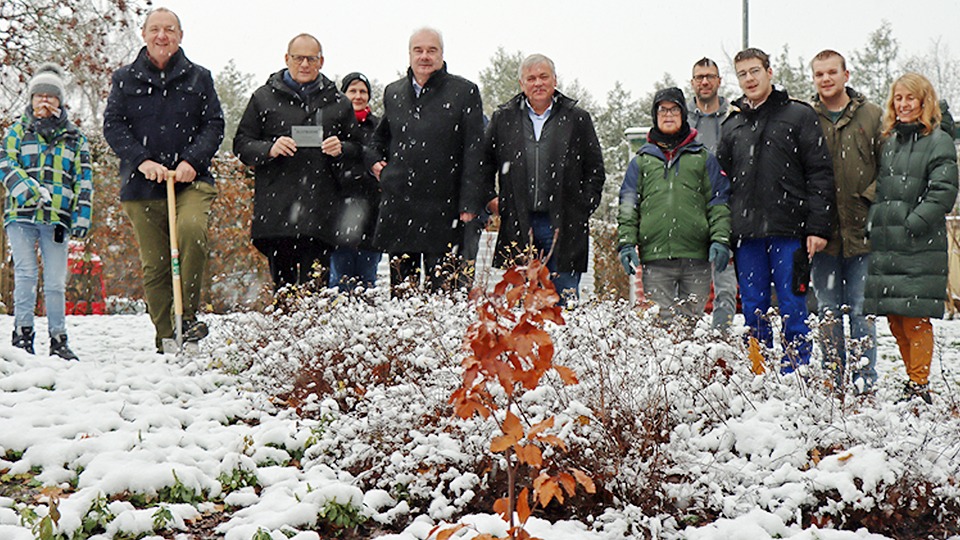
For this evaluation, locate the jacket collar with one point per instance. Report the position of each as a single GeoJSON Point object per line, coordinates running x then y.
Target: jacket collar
{"type": "Point", "coordinates": [856, 101]}
{"type": "Point", "coordinates": [436, 78]}
{"type": "Point", "coordinates": [326, 90]}
{"type": "Point", "coordinates": [689, 145]}
{"type": "Point", "coordinates": [560, 101]}
{"type": "Point", "coordinates": [777, 99]}
{"type": "Point", "coordinates": [720, 112]}
{"type": "Point", "coordinates": [146, 71]}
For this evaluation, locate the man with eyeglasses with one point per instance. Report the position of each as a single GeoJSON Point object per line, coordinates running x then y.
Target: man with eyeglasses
{"type": "Point", "coordinates": [673, 215]}
{"type": "Point", "coordinates": [299, 132]}
{"type": "Point", "coordinates": [545, 151]}
{"type": "Point", "coordinates": [781, 202]}
{"type": "Point", "coordinates": [707, 111]}
{"type": "Point", "coordinates": [163, 116]}
{"type": "Point", "coordinates": [426, 153]}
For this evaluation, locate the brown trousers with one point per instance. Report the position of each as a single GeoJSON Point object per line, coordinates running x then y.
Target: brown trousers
{"type": "Point", "coordinates": [915, 338]}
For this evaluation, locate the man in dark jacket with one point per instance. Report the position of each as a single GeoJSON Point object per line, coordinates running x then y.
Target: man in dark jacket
{"type": "Point", "coordinates": [426, 153]}
{"type": "Point", "coordinates": [851, 129]}
{"type": "Point", "coordinates": [296, 130]}
{"type": "Point", "coordinates": [781, 201]}
{"type": "Point", "coordinates": [548, 158]}
{"type": "Point", "coordinates": [163, 116]}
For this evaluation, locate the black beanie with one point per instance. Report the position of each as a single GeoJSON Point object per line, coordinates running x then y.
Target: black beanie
{"type": "Point", "coordinates": [355, 76]}
{"type": "Point", "coordinates": [673, 95]}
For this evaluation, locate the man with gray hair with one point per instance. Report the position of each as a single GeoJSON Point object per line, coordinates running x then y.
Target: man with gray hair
{"type": "Point", "coordinates": [426, 154]}
{"type": "Point", "coordinates": [163, 117]}
{"type": "Point", "coordinates": [546, 152]}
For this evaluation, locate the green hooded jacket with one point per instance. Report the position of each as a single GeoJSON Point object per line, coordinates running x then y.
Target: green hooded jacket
{"type": "Point", "coordinates": [674, 209]}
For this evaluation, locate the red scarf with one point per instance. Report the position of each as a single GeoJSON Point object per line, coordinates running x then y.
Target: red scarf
{"type": "Point", "coordinates": [362, 115]}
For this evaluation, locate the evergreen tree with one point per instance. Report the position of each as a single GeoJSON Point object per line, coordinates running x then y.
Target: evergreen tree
{"type": "Point", "coordinates": [233, 89]}
{"type": "Point", "coordinates": [873, 65]}
{"type": "Point", "coordinates": [500, 81]}
{"type": "Point", "coordinates": [796, 79]}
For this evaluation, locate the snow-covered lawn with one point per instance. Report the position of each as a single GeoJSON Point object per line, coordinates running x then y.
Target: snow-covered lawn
{"type": "Point", "coordinates": [125, 429]}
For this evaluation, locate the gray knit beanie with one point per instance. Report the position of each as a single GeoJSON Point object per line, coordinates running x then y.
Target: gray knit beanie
{"type": "Point", "coordinates": [48, 79]}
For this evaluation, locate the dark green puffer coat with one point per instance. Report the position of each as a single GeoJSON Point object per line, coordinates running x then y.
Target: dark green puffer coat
{"type": "Point", "coordinates": [917, 187]}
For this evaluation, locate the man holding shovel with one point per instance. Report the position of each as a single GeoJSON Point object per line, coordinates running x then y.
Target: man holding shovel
{"type": "Point", "coordinates": [163, 117]}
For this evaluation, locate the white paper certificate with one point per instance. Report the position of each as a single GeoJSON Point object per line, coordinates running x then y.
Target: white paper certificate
{"type": "Point", "coordinates": [307, 136]}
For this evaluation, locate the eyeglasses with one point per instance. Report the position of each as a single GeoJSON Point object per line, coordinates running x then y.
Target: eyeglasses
{"type": "Point", "coordinates": [753, 72]}
{"type": "Point", "coordinates": [298, 59]}
{"type": "Point", "coordinates": [708, 77]}
{"type": "Point", "coordinates": [668, 111]}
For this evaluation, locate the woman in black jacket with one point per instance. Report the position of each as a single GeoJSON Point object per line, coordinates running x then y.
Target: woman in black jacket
{"type": "Point", "coordinates": [355, 260]}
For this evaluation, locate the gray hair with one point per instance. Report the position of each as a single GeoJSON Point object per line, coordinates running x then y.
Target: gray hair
{"type": "Point", "coordinates": [429, 29]}
{"type": "Point", "coordinates": [161, 10]}
{"type": "Point", "coordinates": [535, 60]}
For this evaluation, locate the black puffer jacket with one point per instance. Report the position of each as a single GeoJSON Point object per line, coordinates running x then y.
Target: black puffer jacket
{"type": "Point", "coordinates": [166, 116]}
{"type": "Point", "coordinates": [432, 147]}
{"type": "Point", "coordinates": [295, 196]}
{"type": "Point", "coordinates": [574, 172]}
{"type": "Point", "coordinates": [780, 170]}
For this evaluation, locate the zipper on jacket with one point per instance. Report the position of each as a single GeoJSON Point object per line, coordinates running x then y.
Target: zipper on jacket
{"type": "Point", "coordinates": [536, 173]}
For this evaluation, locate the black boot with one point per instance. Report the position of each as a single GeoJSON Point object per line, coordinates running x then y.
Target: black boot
{"type": "Point", "coordinates": [194, 331]}
{"type": "Point", "coordinates": [23, 338]}
{"type": "Point", "coordinates": [58, 347]}
{"type": "Point", "coordinates": [916, 390]}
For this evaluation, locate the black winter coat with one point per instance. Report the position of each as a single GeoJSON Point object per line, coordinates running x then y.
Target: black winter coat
{"type": "Point", "coordinates": [295, 196]}
{"type": "Point", "coordinates": [576, 164]}
{"type": "Point", "coordinates": [780, 170]}
{"type": "Point", "coordinates": [360, 191]}
{"type": "Point", "coordinates": [917, 187]}
{"type": "Point", "coordinates": [168, 117]}
{"type": "Point", "coordinates": [432, 147]}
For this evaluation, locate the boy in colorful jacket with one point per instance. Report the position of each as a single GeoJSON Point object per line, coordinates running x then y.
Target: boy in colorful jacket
{"type": "Point", "coordinates": [45, 166]}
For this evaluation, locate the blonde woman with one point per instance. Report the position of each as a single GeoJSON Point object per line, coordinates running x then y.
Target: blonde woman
{"type": "Point", "coordinates": [916, 188]}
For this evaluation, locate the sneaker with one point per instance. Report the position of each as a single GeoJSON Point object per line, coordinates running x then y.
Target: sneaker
{"type": "Point", "coordinates": [58, 347]}
{"type": "Point", "coordinates": [194, 331]}
{"type": "Point", "coordinates": [23, 338]}
{"type": "Point", "coordinates": [916, 390]}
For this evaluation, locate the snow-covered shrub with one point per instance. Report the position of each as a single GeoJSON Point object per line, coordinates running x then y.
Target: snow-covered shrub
{"type": "Point", "coordinates": [671, 422]}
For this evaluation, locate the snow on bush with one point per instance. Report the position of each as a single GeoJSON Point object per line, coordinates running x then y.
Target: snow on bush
{"type": "Point", "coordinates": [670, 421]}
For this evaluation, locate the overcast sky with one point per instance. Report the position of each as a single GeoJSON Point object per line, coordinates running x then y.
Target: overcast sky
{"type": "Point", "coordinates": [598, 42]}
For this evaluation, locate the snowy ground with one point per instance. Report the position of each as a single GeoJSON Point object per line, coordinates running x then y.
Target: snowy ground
{"type": "Point", "coordinates": [126, 421]}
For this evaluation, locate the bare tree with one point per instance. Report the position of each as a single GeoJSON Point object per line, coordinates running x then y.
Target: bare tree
{"type": "Point", "coordinates": [938, 65]}
{"type": "Point", "coordinates": [89, 38]}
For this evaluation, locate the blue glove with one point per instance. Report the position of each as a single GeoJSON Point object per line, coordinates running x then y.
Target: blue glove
{"type": "Point", "coordinates": [629, 259]}
{"type": "Point", "coordinates": [719, 256]}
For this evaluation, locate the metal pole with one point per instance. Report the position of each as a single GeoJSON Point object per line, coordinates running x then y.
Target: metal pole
{"type": "Point", "coordinates": [746, 24]}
